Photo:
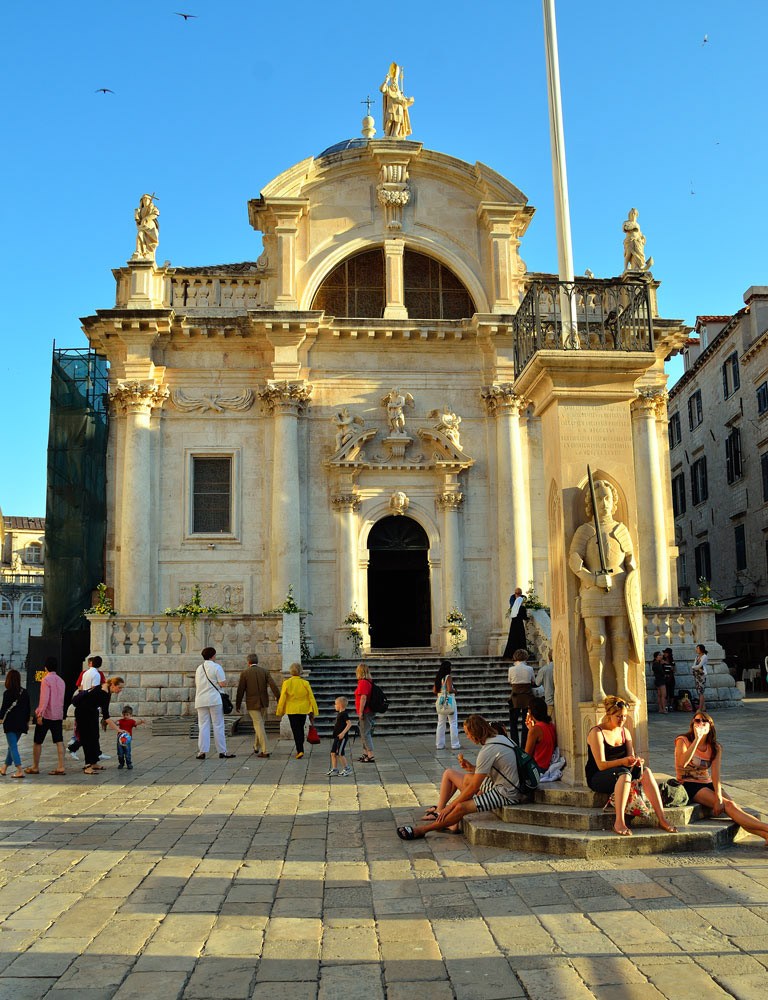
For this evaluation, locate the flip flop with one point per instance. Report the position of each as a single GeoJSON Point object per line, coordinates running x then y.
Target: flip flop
{"type": "Point", "coordinates": [430, 814]}
{"type": "Point", "coordinates": [407, 833]}
{"type": "Point", "coordinates": [669, 828]}
{"type": "Point", "coordinates": [17, 775]}
{"type": "Point", "coordinates": [31, 770]}
{"type": "Point", "coordinates": [622, 833]}
{"type": "Point", "coordinates": [57, 772]}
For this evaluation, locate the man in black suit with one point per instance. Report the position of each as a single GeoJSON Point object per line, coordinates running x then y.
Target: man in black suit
{"type": "Point", "coordinates": [518, 616]}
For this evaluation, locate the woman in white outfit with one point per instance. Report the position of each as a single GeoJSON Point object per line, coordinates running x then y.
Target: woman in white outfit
{"type": "Point", "coordinates": [209, 680]}
{"type": "Point", "coordinates": [443, 685]}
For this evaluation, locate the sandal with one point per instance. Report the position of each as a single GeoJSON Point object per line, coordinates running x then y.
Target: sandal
{"type": "Point", "coordinates": [407, 833]}
{"type": "Point", "coordinates": [31, 770]}
{"type": "Point", "coordinates": [368, 760]}
{"type": "Point", "coordinates": [89, 770]}
{"type": "Point", "coordinates": [57, 772]}
{"type": "Point", "coordinates": [626, 832]}
{"type": "Point", "coordinates": [430, 814]}
{"type": "Point", "coordinates": [668, 827]}
{"type": "Point", "coordinates": [17, 775]}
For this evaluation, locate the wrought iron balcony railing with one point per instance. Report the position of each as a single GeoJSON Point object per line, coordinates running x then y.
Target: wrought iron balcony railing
{"type": "Point", "coordinates": [588, 314]}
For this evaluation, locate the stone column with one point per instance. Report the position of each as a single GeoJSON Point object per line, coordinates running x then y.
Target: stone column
{"type": "Point", "coordinates": [346, 505]}
{"type": "Point", "coordinates": [393, 257]}
{"type": "Point", "coordinates": [136, 400]}
{"type": "Point", "coordinates": [449, 503]}
{"type": "Point", "coordinates": [514, 552]}
{"type": "Point", "coordinates": [285, 401]}
{"type": "Point", "coordinates": [651, 521]}
{"type": "Point", "coordinates": [504, 224]}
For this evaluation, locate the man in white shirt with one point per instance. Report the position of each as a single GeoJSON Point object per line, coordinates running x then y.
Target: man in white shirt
{"type": "Point", "coordinates": [546, 678]}
{"type": "Point", "coordinates": [91, 677]}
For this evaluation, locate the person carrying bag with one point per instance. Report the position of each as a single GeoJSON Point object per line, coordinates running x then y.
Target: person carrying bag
{"type": "Point", "coordinates": [212, 703]}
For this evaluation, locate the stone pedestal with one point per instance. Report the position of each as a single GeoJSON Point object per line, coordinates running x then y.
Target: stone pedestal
{"type": "Point", "coordinates": [583, 399]}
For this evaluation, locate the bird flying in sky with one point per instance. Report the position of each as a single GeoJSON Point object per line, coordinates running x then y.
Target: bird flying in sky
{"type": "Point", "coordinates": [103, 90]}
{"type": "Point", "coordinates": [706, 39]}
{"type": "Point", "coordinates": [185, 16]}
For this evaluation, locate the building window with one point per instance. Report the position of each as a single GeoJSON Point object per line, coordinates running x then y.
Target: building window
{"type": "Point", "coordinates": [32, 605]}
{"type": "Point", "coordinates": [733, 456]}
{"type": "Point", "coordinates": [678, 495]}
{"type": "Point", "coordinates": [5, 606]}
{"type": "Point", "coordinates": [764, 470]}
{"type": "Point", "coordinates": [211, 496]}
{"type": "Point", "coordinates": [740, 544]}
{"type": "Point", "coordinates": [731, 380]}
{"type": "Point", "coordinates": [356, 288]}
{"type": "Point", "coordinates": [703, 564]}
{"type": "Point", "coordinates": [682, 572]}
{"type": "Point", "coordinates": [674, 430]}
{"type": "Point", "coordinates": [34, 554]}
{"type": "Point", "coordinates": [695, 414]}
{"type": "Point", "coordinates": [699, 486]}
{"type": "Point", "coordinates": [762, 398]}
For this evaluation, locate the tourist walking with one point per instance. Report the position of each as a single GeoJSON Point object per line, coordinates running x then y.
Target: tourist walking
{"type": "Point", "coordinates": [14, 713]}
{"type": "Point", "coordinates": [341, 728]}
{"type": "Point", "coordinates": [491, 782]}
{"type": "Point", "coordinates": [612, 763]}
{"type": "Point", "coordinates": [518, 616]}
{"type": "Point", "coordinates": [521, 680]}
{"type": "Point", "coordinates": [88, 704]}
{"type": "Point", "coordinates": [446, 697]}
{"type": "Point", "coordinates": [49, 716]}
{"type": "Point", "coordinates": [669, 676]}
{"type": "Point", "coordinates": [700, 675]}
{"type": "Point", "coordinates": [545, 677]}
{"type": "Point", "coordinates": [363, 707]}
{"type": "Point", "coordinates": [659, 680]}
{"type": "Point", "coordinates": [542, 736]}
{"type": "Point", "coordinates": [209, 680]}
{"type": "Point", "coordinates": [297, 701]}
{"type": "Point", "coordinates": [698, 761]}
{"type": "Point", "coordinates": [92, 663]}
{"type": "Point", "coordinates": [254, 684]}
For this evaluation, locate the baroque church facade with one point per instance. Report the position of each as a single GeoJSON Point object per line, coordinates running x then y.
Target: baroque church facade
{"type": "Point", "coordinates": [341, 416]}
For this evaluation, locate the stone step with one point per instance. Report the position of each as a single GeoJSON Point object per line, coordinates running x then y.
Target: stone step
{"type": "Point", "coordinates": [488, 830]}
{"type": "Point", "coordinates": [559, 794]}
{"type": "Point", "coordinates": [582, 818]}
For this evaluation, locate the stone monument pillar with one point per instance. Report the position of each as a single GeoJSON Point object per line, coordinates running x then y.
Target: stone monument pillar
{"type": "Point", "coordinates": [583, 399]}
{"type": "Point", "coordinates": [449, 503]}
{"type": "Point", "coordinates": [136, 400]}
{"type": "Point", "coordinates": [285, 401]}
{"type": "Point", "coordinates": [651, 520]}
{"type": "Point", "coordinates": [393, 257]}
{"type": "Point", "coordinates": [515, 558]}
{"type": "Point", "coordinates": [346, 505]}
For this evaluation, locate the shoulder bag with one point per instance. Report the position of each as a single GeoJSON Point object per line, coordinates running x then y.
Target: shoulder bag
{"type": "Point", "coordinates": [446, 703]}
{"type": "Point", "coordinates": [226, 701]}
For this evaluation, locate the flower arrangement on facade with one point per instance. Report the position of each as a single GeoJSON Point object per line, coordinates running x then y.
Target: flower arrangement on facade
{"type": "Point", "coordinates": [104, 604]}
{"type": "Point", "coordinates": [457, 625]}
{"type": "Point", "coordinates": [705, 599]}
{"type": "Point", "coordinates": [352, 626]}
{"type": "Point", "coordinates": [195, 608]}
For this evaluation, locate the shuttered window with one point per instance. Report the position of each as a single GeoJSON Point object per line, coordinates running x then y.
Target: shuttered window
{"type": "Point", "coordinates": [211, 496]}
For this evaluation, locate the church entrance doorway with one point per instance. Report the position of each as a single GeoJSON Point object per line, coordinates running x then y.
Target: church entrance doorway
{"type": "Point", "coordinates": [399, 600]}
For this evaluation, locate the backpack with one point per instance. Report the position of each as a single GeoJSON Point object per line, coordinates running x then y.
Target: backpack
{"type": "Point", "coordinates": [377, 700]}
{"type": "Point", "coordinates": [528, 771]}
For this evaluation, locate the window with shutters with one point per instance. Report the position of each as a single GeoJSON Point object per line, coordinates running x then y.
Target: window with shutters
{"type": "Point", "coordinates": [212, 495]}
{"type": "Point", "coordinates": [703, 563]}
{"type": "Point", "coordinates": [674, 430]}
{"type": "Point", "coordinates": [762, 398]}
{"type": "Point", "coordinates": [678, 495]}
{"type": "Point", "coordinates": [733, 456]}
{"type": "Point", "coordinates": [740, 546]}
{"type": "Point", "coordinates": [764, 471]}
{"type": "Point", "coordinates": [731, 379]}
{"type": "Point", "coordinates": [695, 411]}
{"type": "Point", "coordinates": [699, 484]}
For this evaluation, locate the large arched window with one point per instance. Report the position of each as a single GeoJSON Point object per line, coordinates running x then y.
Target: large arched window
{"type": "Point", "coordinates": [357, 288]}
{"type": "Point", "coordinates": [32, 605]}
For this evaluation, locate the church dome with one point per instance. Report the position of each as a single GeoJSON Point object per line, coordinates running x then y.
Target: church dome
{"type": "Point", "coordinates": [339, 147]}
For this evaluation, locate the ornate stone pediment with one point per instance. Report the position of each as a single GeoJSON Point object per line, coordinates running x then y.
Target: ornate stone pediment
{"type": "Point", "coordinates": [440, 452]}
{"type": "Point", "coordinates": [211, 402]}
{"type": "Point", "coordinates": [351, 453]}
{"type": "Point", "coordinates": [445, 453]}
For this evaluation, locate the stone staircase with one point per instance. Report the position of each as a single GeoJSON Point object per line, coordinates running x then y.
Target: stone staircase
{"type": "Point", "coordinates": [570, 822]}
{"type": "Point", "coordinates": [481, 687]}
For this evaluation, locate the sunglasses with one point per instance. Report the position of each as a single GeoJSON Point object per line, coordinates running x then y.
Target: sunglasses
{"type": "Point", "coordinates": [621, 705]}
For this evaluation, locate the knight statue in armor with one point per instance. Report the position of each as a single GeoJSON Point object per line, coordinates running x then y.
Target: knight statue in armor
{"type": "Point", "coordinates": [609, 597]}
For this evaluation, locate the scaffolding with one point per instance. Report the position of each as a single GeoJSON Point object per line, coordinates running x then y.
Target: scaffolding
{"type": "Point", "coordinates": [76, 496]}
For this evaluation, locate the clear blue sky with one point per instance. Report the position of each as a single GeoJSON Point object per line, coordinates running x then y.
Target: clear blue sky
{"type": "Point", "coordinates": [206, 111]}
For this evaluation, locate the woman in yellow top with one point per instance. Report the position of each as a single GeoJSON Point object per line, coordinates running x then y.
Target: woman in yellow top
{"type": "Point", "coordinates": [297, 702]}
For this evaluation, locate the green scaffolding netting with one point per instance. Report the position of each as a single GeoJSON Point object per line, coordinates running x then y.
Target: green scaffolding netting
{"type": "Point", "coordinates": [76, 498]}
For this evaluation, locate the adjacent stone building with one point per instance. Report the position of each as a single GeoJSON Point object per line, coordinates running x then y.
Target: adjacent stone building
{"type": "Point", "coordinates": [22, 548]}
{"type": "Point", "coordinates": [718, 439]}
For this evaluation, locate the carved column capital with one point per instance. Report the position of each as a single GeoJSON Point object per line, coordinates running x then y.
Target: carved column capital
{"type": "Point", "coordinates": [286, 397]}
{"type": "Point", "coordinates": [345, 501]}
{"type": "Point", "coordinates": [135, 396]}
{"type": "Point", "coordinates": [393, 192]}
{"type": "Point", "coordinates": [449, 500]}
{"type": "Point", "coordinates": [651, 402]}
{"type": "Point", "coordinates": [503, 399]}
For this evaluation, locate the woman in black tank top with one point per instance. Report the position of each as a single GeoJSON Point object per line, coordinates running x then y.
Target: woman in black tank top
{"type": "Point", "coordinates": [612, 764]}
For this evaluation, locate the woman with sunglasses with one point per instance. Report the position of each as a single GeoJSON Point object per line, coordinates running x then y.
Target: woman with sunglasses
{"type": "Point", "coordinates": [698, 757]}
{"type": "Point", "coordinates": [612, 764]}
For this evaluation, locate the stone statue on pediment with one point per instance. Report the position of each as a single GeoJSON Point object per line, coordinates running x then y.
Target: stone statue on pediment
{"type": "Point", "coordinates": [397, 120]}
{"type": "Point", "coordinates": [447, 423]}
{"type": "Point", "coordinates": [634, 245]}
{"type": "Point", "coordinates": [345, 424]}
{"type": "Point", "coordinates": [395, 402]}
{"type": "Point", "coordinates": [148, 228]}
{"type": "Point", "coordinates": [609, 595]}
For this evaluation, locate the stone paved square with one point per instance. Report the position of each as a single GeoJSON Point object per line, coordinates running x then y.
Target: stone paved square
{"type": "Point", "coordinates": [253, 878]}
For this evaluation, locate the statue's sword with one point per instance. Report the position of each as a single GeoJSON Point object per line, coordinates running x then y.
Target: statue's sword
{"type": "Point", "coordinates": [600, 547]}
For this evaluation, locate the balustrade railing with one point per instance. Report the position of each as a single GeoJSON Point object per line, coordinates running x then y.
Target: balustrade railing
{"type": "Point", "coordinates": [596, 314]}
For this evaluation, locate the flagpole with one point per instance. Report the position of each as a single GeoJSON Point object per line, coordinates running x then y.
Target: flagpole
{"type": "Point", "coordinates": [559, 175]}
